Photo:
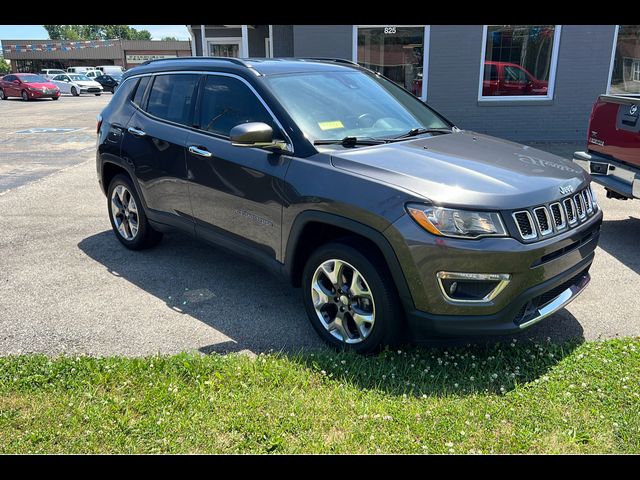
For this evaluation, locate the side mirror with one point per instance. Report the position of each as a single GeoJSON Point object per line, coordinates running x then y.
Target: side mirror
{"type": "Point", "coordinates": [17, 82]}
{"type": "Point", "coordinates": [67, 80]}
{"type": "Point", "coordinates": [255, 134]}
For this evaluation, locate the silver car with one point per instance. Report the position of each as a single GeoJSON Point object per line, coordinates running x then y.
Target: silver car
{"type": "Point", "coordinates": [76, 83]}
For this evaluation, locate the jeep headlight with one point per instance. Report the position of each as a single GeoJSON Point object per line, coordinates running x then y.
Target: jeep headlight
{"type": "Point", "coordinates": [453, 222]}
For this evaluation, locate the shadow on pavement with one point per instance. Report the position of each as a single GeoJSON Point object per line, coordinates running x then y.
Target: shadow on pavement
{"type": "Point", "coordinates": [252, 307]}
{"type": "Point", "coordinates": [619, 238]}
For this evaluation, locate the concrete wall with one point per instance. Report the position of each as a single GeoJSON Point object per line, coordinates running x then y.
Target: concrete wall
{"type": "Point", "coordinates": [323, 41]}
{"type": "Point", "coordinates": [581, 75]}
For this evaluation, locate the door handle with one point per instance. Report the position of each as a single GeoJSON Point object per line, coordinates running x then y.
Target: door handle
{"type": "Point", "coordinates": [136, 132]}
{"type": "Point", "coordinates": [199, 151]}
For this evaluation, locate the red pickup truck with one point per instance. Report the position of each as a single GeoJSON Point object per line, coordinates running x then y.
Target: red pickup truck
{"type": "Point", "coordinates": [613, 145]}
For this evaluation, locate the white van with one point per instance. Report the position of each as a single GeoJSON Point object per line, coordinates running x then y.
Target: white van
{"type": "Point", "coordinates": [108, 69]}
{"type": "Point", "coordinates": [92, 74]}
{"type": "Point", "coordinates": [79, 69]}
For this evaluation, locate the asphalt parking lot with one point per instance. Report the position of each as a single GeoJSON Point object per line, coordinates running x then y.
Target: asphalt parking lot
{"type": "Point", "coordinates": [67, 285]}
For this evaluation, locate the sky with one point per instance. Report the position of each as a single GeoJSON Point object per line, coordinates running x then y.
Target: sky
{"type": "Point", "coordinates": [37, 32]}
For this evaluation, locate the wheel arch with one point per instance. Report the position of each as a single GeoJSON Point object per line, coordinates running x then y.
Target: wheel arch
{"type": "Point", "coordinates": [314, 228]}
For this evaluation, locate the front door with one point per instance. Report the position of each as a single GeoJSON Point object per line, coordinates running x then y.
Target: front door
{"type": "Point", "coordinates": [224, 47]}
{"type": "Point", "coordinates": [235, 191]}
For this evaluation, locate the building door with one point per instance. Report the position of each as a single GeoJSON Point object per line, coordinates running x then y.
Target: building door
{"type": "Point", "coordinates": [400, 53]}
{"type": "Point", "coordinates": [224, 47]}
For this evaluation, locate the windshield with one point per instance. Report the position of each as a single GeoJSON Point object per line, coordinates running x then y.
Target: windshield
{"type": "Point", "coordinates": [79, 78]}
{"type": "Point", "coordinates": [335, 105]}
{"type": "Point", "coordinates": [32, 79]}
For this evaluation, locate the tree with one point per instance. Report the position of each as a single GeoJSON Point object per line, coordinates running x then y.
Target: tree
{"type": "Point", "coordinates": [169, 39]}
{"type": "Point", "coordinates": [95, 32]}
{"type": "Point", "coordinates": [4, 66]}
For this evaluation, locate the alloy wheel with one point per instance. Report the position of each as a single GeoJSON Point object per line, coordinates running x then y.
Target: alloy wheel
{"type": "Point", "coordinates": [124, 212]}
{"type": "Point", "coordinates": [343, 301]}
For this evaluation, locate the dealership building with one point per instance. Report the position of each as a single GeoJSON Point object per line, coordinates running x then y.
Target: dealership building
{"type": "Point", "coordinates": [34, 55]}
{"type": "Point", "coordinates": [521, 82]}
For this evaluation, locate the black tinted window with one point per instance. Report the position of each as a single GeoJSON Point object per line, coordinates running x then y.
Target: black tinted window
{"type": "Point", "coordinates": [142, 85]}
{"type": "Point", "coordinates": [227, 102]}
{"type": "Point", "coordinates": [9, 78]}
{"type": "Point", "coordinates": [171, 97]}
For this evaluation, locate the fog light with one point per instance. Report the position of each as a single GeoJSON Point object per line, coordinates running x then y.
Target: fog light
{"type": "Point", "coordinates": [472, 287]}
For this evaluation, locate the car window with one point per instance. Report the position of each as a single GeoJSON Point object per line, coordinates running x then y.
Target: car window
{"type": "Point", "coordinates": [227, 102]}
{"type": "Point", "coordinates": [33, 79]}
{"type": "Point", "coordinates": [9, 78]}
{"type": "Point", "coordinates": [332, 105]}
{"type": "Point", "coordinates": [171, 97]}
{"type": "Point", "coordinates": [140, 88]}
{"type": "Point", "coordinates": [79, 78]}
{"type": "Point", "coordinates": [59, 78]}
{"type": "Point", "coordinates": [514, 74]}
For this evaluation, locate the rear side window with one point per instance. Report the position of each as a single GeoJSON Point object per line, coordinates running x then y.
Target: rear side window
{"type": "Point", "coordinates": [227, 102]}
{"type": "Point", "coordinates": [142, 85]}
{"type": "Point", "coordinates": [172, 97]}
{"type": "Point", "coordinates": [9, 78]}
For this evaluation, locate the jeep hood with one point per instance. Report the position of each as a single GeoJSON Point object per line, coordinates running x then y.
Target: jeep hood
{"type": "Point", "coordinates": [466, 169]}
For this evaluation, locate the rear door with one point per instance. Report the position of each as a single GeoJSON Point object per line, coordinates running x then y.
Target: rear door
{"type": "Point", "coordinates": [235, 191]}
{"type": "Point", "coordinates": [154, 145]}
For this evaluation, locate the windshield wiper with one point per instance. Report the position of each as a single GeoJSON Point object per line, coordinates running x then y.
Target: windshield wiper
{"type": "Point", "coordinates": [419, 131]}
{"type": "Point", "coordinates": [350, 141]}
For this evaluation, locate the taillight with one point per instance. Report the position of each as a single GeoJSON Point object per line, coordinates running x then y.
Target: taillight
{"type": "Point", "coordinates": [99, 118]}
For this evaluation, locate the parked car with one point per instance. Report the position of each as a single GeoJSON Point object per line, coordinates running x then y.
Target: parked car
{"type": "Point", "coordinates": [109, 82]}
{"type": "Point", "coordinates": [392, 219]}
{"type": "Point", "coordinates": [613, 146]}
{"type": "Point", "coordinates": [111, 69]}
{"type": "Point", "coordinates": [80, 69]}
{"type": "Point", "coordinates": [92, 74]}
{"type": "Point", "coordinates": [75, 84]}
{"type": "Point", "coordinates": [504, 78]}
{"type": "Point", "coordinates": [49, 73]}
{"type": "Point", "coordinates": [28, 86]}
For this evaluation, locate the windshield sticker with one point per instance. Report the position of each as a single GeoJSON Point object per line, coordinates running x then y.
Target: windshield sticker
{"type": "Point", "coordinates": [330, 125]}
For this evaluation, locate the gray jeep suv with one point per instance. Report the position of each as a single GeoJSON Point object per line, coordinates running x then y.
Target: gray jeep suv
{"type": "Point", "coordinates": [392, 219]}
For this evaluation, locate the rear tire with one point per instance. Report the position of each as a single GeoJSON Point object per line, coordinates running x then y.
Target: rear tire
{"type": "Point", "coordinates": [2, 95]}
{"type": "Point", "coordinates": [372, 317]}
{"type": "Point", "coordinates": [132, 229]}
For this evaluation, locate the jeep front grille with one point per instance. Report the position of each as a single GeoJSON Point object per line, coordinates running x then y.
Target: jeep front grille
{"type": "Point", "coordinates": [570, 210]}
{"type": "Point", "coordinates": [544, 220]}
{"type": "Point", "coordinates": [558, 216]}
{"type": "Point", "coordinates": [579, 206]}
{"type": "Point", "coordinates": [525, 225]}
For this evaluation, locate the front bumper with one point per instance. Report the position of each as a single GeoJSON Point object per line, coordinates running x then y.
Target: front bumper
{"type": "Point", "coordinates": [40, 94]}
{"type": "Point", "coordinates": [90, 90]}
{"type": "Point", "coordinates": [544, 277]}
{"type": "Point", "coordinates": [617, 176]}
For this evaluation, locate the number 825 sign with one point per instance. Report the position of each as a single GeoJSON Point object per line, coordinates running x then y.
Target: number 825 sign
{"type": "Point", "coordinates": [388, 30]}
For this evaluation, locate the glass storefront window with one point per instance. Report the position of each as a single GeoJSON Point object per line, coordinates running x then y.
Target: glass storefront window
{"type": "Point", "coordinates": [395, 52]}
{"type": "Point", "coordinates": [518, 60]}
{"type": "Point", "coordinates": [625, 77]}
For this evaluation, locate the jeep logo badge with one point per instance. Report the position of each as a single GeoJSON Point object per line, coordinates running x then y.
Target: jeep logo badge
{"type": "Point", "coordinates": [565, 190]}
{"type": "Point", "coordinates": [633, 109]}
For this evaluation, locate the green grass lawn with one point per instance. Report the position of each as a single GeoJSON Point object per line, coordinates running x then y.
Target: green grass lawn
{"type": "Point", "coordinates": [508, 397]}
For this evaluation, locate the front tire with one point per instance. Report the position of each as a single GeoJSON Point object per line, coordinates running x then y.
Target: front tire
{"type": "Point", "coordinates": [98, 94]}
{"type": "Point", "coordinates": [25, 96]}
{"type": "Point", "coordinates": [55, 98]}
{"type": "Point", "coordinates": [74, 92]}
{"type": "Point", "coordinates": [351, 299]}
{"type": "Point", "coordinates": [128, 218]}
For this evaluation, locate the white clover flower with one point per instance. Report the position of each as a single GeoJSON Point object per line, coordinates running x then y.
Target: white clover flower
{"type": "Point", "coordinates": [449, 444]}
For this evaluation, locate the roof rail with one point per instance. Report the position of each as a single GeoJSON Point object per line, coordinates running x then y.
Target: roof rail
{"type": "Point", "coordinates": [330, 59]}
{"type": "Point", "coordinates": [237, 61]}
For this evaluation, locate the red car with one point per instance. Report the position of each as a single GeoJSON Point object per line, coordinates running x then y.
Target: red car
{"type": "Point", "coordinates": [503, 78]}
{"type": "Point", "coordinates": [500, 79]}
{"type": "Point", "coordinates": [27, 86]}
